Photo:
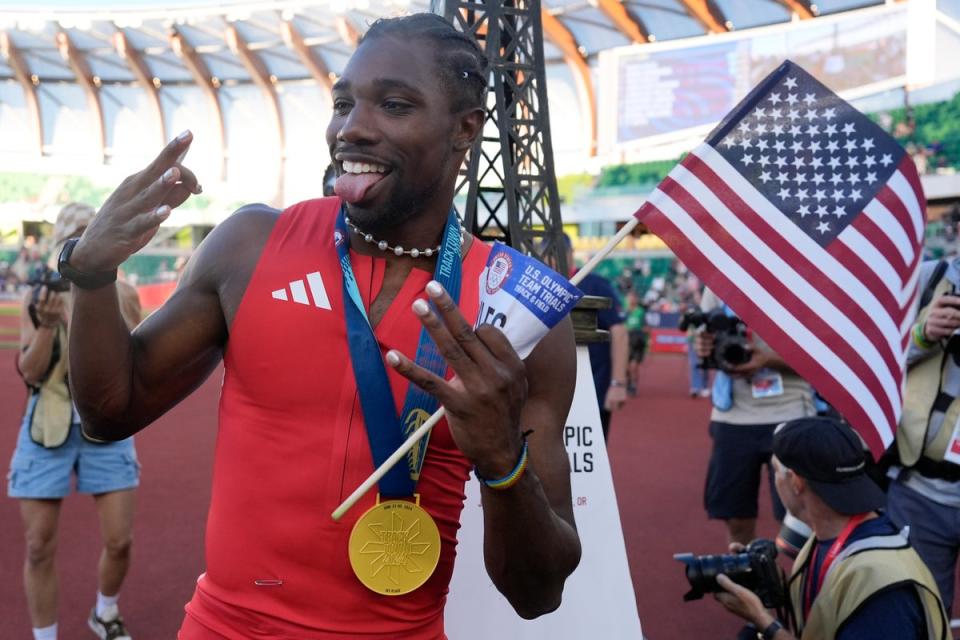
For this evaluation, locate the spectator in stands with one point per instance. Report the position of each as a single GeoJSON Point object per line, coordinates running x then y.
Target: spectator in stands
{"type": "Point", "coordinates": [749, 401]}
{"type": "Point", "coordinates": [607, 360]}
{"type": "Point", "coordinates": [857, 577]}
{"type": "Point", "coordinates": [7, 278]}
{"type": "Point", "coordinates": [625, 281]}
{"type": "Point", "coordinates": [925, 493]}
{"type": "Point", "coordinates": [951, 220]}
{"type": "Point", "coordinates": [51, 449]}
{"type": "Point", "coordinates": [28, 260]}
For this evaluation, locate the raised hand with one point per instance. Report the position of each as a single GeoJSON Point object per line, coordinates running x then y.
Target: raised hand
{"type": "Point", "coordinates": [49, 308]}
{"type": "Point", "coordinates": [487, 393]}
{"type": "Point", "coordinates": [703, 342]}
{"type": "Point", "coordinates": [760, 357]}
{"type": "Point", "coordinates": [133, 212]}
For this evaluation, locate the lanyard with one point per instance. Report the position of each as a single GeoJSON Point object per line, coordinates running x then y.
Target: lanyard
{"type": "Point", "coordinates": [832, 553]}
{"type": "Point", "coordinates": [385, 431]}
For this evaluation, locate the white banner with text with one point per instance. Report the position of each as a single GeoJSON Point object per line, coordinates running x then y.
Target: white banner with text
{"type": "Point", "coordinates": [598, 599]}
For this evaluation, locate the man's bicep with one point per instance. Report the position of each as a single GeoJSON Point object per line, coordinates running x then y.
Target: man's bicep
{"type": "Point", "coordinates": [551, 376]}
{"type": "Point", "coordinates": [179, 344]}
{"type": "Point", "coordinates": [186, 332]}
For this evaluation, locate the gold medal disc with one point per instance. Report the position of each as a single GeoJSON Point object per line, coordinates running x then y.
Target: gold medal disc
{"type": "Point", "coordinates": [394, 547]}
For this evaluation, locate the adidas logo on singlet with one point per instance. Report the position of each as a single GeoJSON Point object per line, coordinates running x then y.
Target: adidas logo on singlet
{"type": "Point", "coordinates": [298, 292]}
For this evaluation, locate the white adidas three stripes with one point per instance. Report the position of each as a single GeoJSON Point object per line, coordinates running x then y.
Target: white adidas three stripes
{"type": "Point", "coordinates": [298, 291]}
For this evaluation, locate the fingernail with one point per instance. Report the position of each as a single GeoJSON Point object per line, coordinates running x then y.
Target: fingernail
{"type": "Point", "coordinates": [168, 174]}
{"type": "Point", "coordinates": [420, 307]}
{"type": "Point", "coordinates": [392, 358]}
{"type": "Point", "coordinates": [183, 136]}
{"type": "Point", "coordinates": [162, 211]}
{"type": "Point", "coordinates": [434, 289]}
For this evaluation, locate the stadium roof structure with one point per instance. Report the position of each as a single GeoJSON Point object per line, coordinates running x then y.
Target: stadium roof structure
{"type": "Point", "coordinates": [144, 53]}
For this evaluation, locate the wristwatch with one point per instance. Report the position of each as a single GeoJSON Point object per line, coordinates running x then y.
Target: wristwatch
{"type": "Point", "coordinates": [771, 631]}
{"type": "Point", "coordinates": [80, 278]}
{"type": "Point", "coordinates": [617, 383]}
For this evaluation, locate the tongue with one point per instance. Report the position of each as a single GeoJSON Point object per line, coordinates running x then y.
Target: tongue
{"type": "Point", "coordinates": [353, 186]}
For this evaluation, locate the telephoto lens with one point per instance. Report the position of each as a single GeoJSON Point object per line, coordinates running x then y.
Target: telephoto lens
{"type": "Point", "coordinates": [756, 569]}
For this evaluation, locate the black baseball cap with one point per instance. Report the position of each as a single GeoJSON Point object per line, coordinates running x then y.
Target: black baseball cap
{"type": "Point", "coordinates": [829, 455]}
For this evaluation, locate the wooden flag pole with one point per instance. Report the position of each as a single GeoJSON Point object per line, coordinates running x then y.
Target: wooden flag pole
{"type": "Point", "coordinates": [394, 458]}
{"type": "Point", "coordinates": [425, 428]}
{"type": "Point", "coordinates": [607, 248]}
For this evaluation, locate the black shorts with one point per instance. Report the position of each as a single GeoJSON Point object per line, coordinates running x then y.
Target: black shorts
{"type": "Point", "coordinates": [733, 475]}
{"type": "Point", "coordinates": [638, 345]}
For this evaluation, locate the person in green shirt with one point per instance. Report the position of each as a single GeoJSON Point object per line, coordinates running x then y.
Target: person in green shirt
{"type": "Point", "coordinates": [637, 336]}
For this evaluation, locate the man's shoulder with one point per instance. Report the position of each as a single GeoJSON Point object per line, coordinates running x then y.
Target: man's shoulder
{"type": "Point", "coordinates": [327, 205]}
{"type": "Point", "coordinates": [595, 284]}
{"type": "Point", "coordinates": [249, 219]}
{"type": "Point", "coordinates": [254, 216]}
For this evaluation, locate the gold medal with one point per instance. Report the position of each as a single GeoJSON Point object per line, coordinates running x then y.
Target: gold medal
{"type": "Point", "coordinates": [394, 547]}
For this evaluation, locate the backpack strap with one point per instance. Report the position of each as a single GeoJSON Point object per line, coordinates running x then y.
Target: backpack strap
{"type": "Point", "coordinates": [935, 278]}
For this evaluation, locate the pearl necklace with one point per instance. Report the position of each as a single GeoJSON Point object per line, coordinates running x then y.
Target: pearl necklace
{"type": "Point", "coordinates": [397, 250]}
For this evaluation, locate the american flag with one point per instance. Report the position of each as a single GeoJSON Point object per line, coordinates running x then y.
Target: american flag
{"type": "Point", "coordinates": [807, 219]}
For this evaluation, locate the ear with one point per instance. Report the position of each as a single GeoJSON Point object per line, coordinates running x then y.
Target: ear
{"type": "Point", "coordinates": [797, 484]}
{"type": "Point", "coordinates": [469, 126]}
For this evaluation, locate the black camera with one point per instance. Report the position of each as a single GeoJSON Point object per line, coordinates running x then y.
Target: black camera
{"type": "Point", "coordinates": [46, 277]}
{"type": "Point", "coordinates": [756, 569]}
{"type": "Point", "coordinates": [731, 347]}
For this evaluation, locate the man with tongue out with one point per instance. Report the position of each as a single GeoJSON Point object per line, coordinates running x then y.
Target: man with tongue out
{"type": "Point", "coordinates": [280, 297]}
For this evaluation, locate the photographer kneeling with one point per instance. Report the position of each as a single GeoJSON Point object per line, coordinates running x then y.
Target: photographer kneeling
{"type": "Point", "coordinates": [858, 577]}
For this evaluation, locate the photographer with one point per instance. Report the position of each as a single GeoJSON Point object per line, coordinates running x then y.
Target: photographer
{"type": "Point", "coordinates": [858, 577]}
{"type": "Point", "coordinates": [925, 494]}
{"type": "Point", "coordinates": [749, 401]}
{"type": "Point", "coordinates": [51, 448]}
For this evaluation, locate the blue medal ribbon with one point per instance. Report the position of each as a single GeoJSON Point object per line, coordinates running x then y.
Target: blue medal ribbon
{"type": "Point", "coordinates": [385, 431]}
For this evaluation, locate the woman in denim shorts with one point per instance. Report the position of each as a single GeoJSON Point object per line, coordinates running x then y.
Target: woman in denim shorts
{"type": "Point", "coordinates": [41, 472]}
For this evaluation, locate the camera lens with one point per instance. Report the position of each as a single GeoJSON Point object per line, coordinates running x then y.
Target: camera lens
{"type": "Point", "coordinates": [735, 353]}
{"type": "Point", "coordinates": [702, 571]}
{"type": "Point", "coordinates": [755, 568]}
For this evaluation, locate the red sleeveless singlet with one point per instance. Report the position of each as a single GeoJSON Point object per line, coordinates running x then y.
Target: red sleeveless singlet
{"type": "Point", "coordinates": [292, 445]}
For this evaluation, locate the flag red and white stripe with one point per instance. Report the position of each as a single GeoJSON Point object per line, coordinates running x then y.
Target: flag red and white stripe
{"type": "Point", "coordinates": [839, 314]}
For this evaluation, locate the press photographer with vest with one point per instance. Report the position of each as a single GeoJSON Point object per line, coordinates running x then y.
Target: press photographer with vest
{"type": "Point", "coordinates": [51, 450]}
{"type": "Point", "coordinates": [857, 577]}
{"type": "Point", "coordinates": [926, 491]}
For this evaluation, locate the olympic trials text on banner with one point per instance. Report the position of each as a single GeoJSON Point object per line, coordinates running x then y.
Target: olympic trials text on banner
{"type": "Point", "coordinates": [807, 219]}
{"type": "Point", "coordinates": [522, 297]}
{"type": "Point", "coordinates": [598, 598]}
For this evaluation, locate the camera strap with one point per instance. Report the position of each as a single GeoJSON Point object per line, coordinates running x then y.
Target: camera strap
{"type": "Point", "coordinates": [832, 553]}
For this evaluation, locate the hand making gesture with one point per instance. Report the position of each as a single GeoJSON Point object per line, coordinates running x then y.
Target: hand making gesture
{"type": "Point", "coordinates": [132, 214]}
{"type": "Point", "coordinates": [486, 396]}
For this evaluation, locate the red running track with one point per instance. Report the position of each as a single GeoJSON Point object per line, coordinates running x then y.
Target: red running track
{"type": "Point", "coordinates": [659, 448]}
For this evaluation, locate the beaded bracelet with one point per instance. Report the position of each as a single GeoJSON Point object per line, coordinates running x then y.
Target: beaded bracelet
{"type": "Point", "coordinates": [514, 476]}
{"type": "Point", "coordinates": [919, 339]}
